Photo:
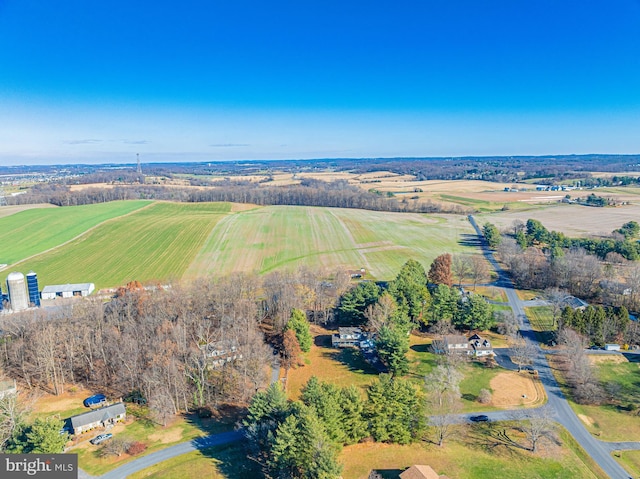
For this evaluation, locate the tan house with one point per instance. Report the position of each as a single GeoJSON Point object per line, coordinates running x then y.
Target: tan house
{"type": "Point", "coordinates": [103, 417]}
{"type": "Point", "coordinates": [421, 472]}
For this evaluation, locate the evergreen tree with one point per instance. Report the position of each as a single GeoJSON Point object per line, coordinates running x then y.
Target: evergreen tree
{"type": "Point", "coordinates": [410, 289]}
{"type": "Point", "coordinates": [299, 324]}
{"type": "Point", "coordinates": [474, 313]}
{"type": "Point", "coordinates": [354, 302]}
{"type": "Point", "coordinates": [491, 234]}
{"type": "Point", "coordinates": [325, 399]}
{"type": "Point", "coordinates": [393, 345]}
{"type": "Point", "coordinates": [354, 425]}
{"type": "Point", "coordinates": [41, 437]}
{"type": "Point", "coordinates": [443, 303]}
{"type": "Point", "coordinates": [394, 410]}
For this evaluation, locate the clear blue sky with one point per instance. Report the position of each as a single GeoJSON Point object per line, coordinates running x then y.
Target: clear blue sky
{"type": "Point", "coordinates": [89, 81]}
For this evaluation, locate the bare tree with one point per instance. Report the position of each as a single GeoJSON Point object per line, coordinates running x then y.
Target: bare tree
{"type": "Point", "coordinates": [443, 400]}
{"type": "Point", "coordinates": [558, 299]}
{"type": "Point", "coordinates": [523, 351]}
{"type": "Point", "coordinates": [461, 267]}
{"type": "Point", "coordinates": [537, 426]}
{"type": "Point", "coordinates": [479, 269]}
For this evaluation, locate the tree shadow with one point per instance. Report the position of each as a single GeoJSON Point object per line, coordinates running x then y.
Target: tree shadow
{"type": "Point", "coordinates": [470, 240]}
{"type": "Point", "coordinates": [355, 361]}
{"type": "Point", "coordinates": [390, 473]}
{"type": "Point", "coordinates": [322, 340]}
{"type": "Point", "coordinates": [491, 437]}
{"type": "Point", "coordinates": [232, 461]}
{"type": "Point", "coordinates": [421, 348]}
{"type": "Point", "coordinates": [469, 397]}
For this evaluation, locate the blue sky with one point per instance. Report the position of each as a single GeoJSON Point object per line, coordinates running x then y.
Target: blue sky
{"type": "Point", "coordinates": [88, 81]}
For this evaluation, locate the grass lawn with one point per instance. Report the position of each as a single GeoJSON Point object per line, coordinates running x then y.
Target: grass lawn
{"type": "Point", "coordinates": [609, 422]}
{"type": "Point", "coordinates": [476, 377]}
{"type": "Point", "coordinates": [35, 230]}
{"type": "Point", "coordinates": [342, 367]}
{"type": "Point", "coordinates": [526, 295]}
{"type": "Point", "coordinates": [492, 293]}
{"type": "Point", "coordinates": [155, 243]}
{"type": "Point", "coordinates": [156, 437]}
{"type": "Point", "coordinates": [630, 460]}
{"type": "Point", "coordinates": [541, 318]}
{"type": "Point", "coordinates": [474, 456]}
{"type": "Point", "coordinates": [225, 462]}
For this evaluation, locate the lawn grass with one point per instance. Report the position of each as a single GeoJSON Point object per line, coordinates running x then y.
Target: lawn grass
{"type": "Point", "coordinates": [286, 237]}
{"type": "Point", "coordinates": [630, 460]}
{"type": "Point", "coordinates": [223, 462]}
{"type": "Point", "coordinates": [608, 422]}
{"type": "Point", "coordinates": [154, 244]}
{"type": "Point", "coordinates": [541, 318]}
{"type": "Point", "coordinates": [526, 294]}
{"type": "Point", "coordinates": [491, 293]}
{"type": "Point", "coordinates": [35, 230]}
{"type": "Point", "coordinates": [473, 456]}
{"type": "Point", "coordinates": [342, 367]}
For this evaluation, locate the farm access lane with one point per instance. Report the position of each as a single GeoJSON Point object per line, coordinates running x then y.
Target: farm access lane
{"type": "Point", "coordinates": [556, 402]}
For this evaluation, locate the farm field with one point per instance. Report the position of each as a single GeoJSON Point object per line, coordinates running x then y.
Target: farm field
{"type": "Point", "coordinates": [155, 244]}
{"type": "Point", "coordinates": [572, 220]}
{"type": "Point", "coordinates": [32, 231]}
{"type": "Point", "coordinates": [286, 237]}
{"type": "Point", "coordinates": [13, 209]}
{"type": "Point", "coordinates": [111, 244]}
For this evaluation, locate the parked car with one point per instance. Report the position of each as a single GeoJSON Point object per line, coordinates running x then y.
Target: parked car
{"type": "Point", "coordinates": [94, 400]}
{"type": "Point", "coordinates": [480, 418]}
{"type": "Point", "coordinates": [101, 438]}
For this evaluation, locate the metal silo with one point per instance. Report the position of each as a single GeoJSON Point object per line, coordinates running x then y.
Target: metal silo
{"type": "Point", "coordinates": [32, 286]}
{"type": "Point", "coordinates": [17, 291]}
{"type": "Point", "coordinates": [1, 299]}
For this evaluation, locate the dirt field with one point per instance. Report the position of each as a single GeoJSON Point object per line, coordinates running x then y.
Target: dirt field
{"type": "Point", "coordinates": [573, 220]}
{"type": "Point", "coordinates": [11, 210]}
{"type": "Point", "coordinates": [71, 399]}
{"type": "Point", "coordinates": [512, 389]}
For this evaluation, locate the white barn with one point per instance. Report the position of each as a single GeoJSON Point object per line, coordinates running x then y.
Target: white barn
{"type": "Point", "coordinates": [67, 290]}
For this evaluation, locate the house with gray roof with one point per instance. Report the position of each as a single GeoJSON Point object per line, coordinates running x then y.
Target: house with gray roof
{"type": "Point", "coordinates": [103, 417]}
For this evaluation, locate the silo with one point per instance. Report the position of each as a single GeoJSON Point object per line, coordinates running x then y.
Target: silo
{"type": "Point", "coordinates": [1, 299]}
{"type": "Point", "coordinates": [17, 291]}
{"type": "Point", "coordinates": [32, 286]}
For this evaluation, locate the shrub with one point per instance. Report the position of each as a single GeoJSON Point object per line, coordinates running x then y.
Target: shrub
{"type": "Point", "coordinates": [484, 397]}
{"type": "Point", "coordinates": [136, 447]}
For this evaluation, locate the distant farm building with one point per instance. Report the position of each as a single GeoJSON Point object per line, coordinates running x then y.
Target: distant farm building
{"type": "Point", "coordinates": [103, 417]}
{"type": "Point", "coordinates": [67, 290]}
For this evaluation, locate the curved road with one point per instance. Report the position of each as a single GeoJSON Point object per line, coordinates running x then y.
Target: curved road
{"type": "Point", "coordinates": [599, 451]}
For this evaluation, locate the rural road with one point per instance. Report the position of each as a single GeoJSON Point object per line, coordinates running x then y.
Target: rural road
{"type": "Point", "coordinates": [600, 453]}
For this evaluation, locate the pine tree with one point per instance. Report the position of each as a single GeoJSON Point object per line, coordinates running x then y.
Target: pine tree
{"type": "Point", "coordinates": [299, 324]}
{"type": "Point", "coordinates": [393, 345]}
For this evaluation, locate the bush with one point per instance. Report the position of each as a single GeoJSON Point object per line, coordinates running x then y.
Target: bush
{"type": "Point", "coordinates": [115, 447]}
{"type": "Point", "coordinates": [484, 397]}
{"type": "Point", "coordinates": [136, 447]}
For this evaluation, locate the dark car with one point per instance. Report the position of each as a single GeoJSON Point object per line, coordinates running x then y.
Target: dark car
{"type": "Point", "coordinates": [480, 418]}
{"type": "Point", "coordinates": [101, 438]}
{"type": "Point", "coordinates": [94, 400]}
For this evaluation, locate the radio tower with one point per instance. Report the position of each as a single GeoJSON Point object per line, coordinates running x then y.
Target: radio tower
{"type": "Point", "coordinates": [139, 170]}
{"type": "Point", "coordinates": [3, 200]}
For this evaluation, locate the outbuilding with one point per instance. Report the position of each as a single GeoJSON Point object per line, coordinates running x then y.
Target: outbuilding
{"type": "Point", "coordinates": [612, 347]}
{"type": "Point", "coordinates": [67, 290]}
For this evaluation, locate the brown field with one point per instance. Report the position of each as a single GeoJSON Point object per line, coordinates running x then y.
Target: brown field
{"type": "Point", "coordinates": [573, 220]}
{"type": "Point", "coordinates": [512, 390]}
{"type": "Point", "coordinates": [11, 210]}
{"type": "Point", "coordinates": [607, 358]}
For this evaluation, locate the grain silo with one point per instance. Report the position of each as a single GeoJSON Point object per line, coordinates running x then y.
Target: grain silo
{"type": "Point", "coordinates": [1, 299]}
{"type": "Point", "coordinates": [32, 287]}
{"type": "Point", "coordinates": [17, 291]}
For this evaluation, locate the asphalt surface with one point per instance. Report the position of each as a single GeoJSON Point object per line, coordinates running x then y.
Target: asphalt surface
{"type": "Point", "coordinates": [557, 402]}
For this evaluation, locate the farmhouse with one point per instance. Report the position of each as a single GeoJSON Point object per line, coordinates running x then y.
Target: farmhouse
{"type": "Point", "coordinates": [348, 338]}
{"type": "Point", "coordinates": [220, 352]}
{"type": "Point", "coordinates": [421, 472]}
{"type": "Point", "coordinates": [457, 343]}
{"type": "Point", "coordinates": [67, 290]}
{"type": "Point", "coordinates": [102, 417]}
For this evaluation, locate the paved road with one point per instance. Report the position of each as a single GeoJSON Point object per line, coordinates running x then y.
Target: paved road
{"type": "Point", "coordinates": [557, 402]}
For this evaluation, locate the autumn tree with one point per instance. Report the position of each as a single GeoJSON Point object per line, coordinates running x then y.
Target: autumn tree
{"type": "Point", "coordinates": [479, 269]}
{"type": "Point", "coordinates": [291, 354]}
{"type": "Point", "coordinates": [440, 270]}
{"type": "Point", "coordinates": [461, 267]}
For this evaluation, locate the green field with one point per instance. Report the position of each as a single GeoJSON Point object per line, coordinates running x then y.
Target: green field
{"type": "Point", "coordinates": [33, 231]}
{"type": "Point", "coordinates": [111, 244]}
{"type": "Point", "coordinates": [156, 243]}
